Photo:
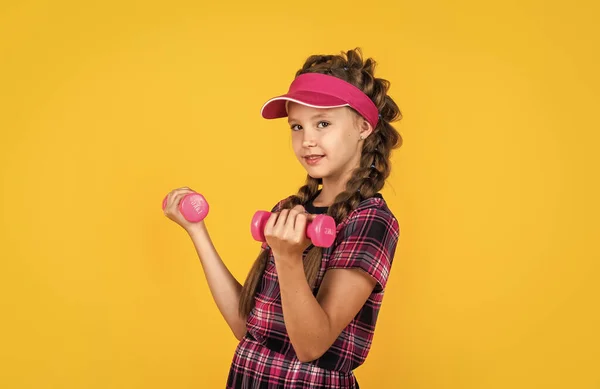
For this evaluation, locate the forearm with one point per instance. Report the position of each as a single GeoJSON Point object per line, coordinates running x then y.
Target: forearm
{"type": "Point", "coordinates": [223, 286]}
{"type": "Point", "coordinates": [307, 324]}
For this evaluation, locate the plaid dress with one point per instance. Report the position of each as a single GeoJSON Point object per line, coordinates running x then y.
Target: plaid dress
{"type": "Point", "coordinates": [265, 358]}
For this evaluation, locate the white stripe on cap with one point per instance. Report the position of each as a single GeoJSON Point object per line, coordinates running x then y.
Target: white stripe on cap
{"type": "Point", "coordinates": [300, 102]}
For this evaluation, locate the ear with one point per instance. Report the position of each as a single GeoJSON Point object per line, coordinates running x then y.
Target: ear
{"type": "Point", "coordinates": [364, 127]}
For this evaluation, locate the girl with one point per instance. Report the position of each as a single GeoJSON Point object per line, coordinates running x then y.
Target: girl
{"type": "Point", "coordinates": [305, 316]}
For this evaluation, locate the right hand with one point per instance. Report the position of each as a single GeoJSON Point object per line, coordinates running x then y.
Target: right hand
{"type": "Point", "coordinates": [172, 209]}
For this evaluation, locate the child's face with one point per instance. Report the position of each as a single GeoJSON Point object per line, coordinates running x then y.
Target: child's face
{"type": "Point", "coordinates": [326, 141]}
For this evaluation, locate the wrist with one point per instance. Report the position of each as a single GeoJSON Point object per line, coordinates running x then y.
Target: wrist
{"type": "Point", "coordinates": [289, 261]}
{"type": "Point", "coordinates": [195, 228]}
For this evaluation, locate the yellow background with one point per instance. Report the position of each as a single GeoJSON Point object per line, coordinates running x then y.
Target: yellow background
{"type": "Point", "coordinates": [106, 107]}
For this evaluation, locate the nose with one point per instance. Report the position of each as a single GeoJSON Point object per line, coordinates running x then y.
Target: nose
{"type": "Point", "coordinates": [309, 139]}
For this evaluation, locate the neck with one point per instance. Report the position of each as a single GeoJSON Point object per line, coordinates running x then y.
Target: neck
{"type": "Point", "coordinates": [332, 187]}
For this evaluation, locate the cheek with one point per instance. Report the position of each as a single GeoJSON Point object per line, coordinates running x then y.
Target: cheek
{"type": "Point", "coordinates": [297, 146]}
{"type": "Point", "coordinates": [345, 139]}
{"type": "Point", "coordinates": [336, 145]}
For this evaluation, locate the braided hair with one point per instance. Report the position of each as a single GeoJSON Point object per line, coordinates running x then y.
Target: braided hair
{"type": "Point", "coordinates": [367, 179]}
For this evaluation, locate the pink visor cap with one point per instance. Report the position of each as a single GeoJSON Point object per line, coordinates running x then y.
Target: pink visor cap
{"type": "Point", "coordinates": [322, 91]}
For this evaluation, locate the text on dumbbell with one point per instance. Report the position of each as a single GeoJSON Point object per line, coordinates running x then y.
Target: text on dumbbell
{"type": "Point", "coordinates": [196, 205]}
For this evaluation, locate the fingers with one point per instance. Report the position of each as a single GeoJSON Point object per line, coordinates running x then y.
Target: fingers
{"type": "Point", "coordinates": [300, 226]}
{"type": "Point", "coordinates": [299, 221]}
{"type": "Point", "coordinates": [270, 225]}
{"type": "Point", "coordinates": [299, 209]}
{"type": "Point", "coordinates": [174, 198]}
{"type": "Point", "coordinates": [310, 217]}
{"type": "Point", "coordinates": [279, 228]}
{"type": "Point", "coordinates": [289, 224]}
{"type": "Point", "coordinates": [286, 224]}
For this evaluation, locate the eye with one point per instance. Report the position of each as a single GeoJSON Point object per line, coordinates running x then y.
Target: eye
{"type": "Point", "coordinates": [323, 124]}
{"type": "Point", "coordinates": [296, 127]}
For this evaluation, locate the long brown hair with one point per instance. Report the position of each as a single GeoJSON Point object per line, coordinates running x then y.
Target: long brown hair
{"type": "Point", "coordinates": [367, 179]}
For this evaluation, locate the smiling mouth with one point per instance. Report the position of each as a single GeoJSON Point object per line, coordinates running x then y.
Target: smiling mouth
{"type": "Point", "coordinates": [313, 159]}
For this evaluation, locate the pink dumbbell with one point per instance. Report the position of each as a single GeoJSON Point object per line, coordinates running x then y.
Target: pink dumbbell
{"type": "Point", "coordinates": [321, 230]}
{"type": "Point", "coordinates": [193, 207]}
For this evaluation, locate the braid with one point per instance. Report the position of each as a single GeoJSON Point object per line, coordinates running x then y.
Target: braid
{"type": "Point", "coordinates": [305, 193]}
{"type": "Point", "coordinates": [366, 180]}
{"type": "Point", "coordinates": [375, 167]}
{"type": "Point", "coordinates": [250, 287]}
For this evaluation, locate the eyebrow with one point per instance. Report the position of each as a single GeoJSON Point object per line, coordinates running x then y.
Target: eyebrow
{"type": "Point", "coordinates": [317, 116]}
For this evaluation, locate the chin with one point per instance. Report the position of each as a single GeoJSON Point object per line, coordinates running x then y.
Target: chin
{"type": "Point", "coordinates": [315, 173]}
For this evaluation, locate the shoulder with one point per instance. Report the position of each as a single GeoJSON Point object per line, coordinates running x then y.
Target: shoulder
{"type": "Point", "coordinates": [367, 239]}
{"type": "Point", "coordinates": [371, 216]}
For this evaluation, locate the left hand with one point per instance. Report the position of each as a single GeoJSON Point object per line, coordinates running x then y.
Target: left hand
{"type": "Point", "coordinates": [285, 232]}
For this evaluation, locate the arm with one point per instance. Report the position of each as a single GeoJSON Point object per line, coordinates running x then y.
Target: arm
{"type": "Point", "coordinates": [359, 264]}
{"type": "Point", "coordinates": [313, 324]}
{"type": "Point", "coordinates": [224, 288]}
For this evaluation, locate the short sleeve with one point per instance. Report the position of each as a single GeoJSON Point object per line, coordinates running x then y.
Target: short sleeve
{"type": "Point", "coordinates": [368, 241]}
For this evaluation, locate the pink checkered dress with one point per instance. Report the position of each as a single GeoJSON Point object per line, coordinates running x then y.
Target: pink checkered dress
{"type": "Point", "coordinates": [265, 358]}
